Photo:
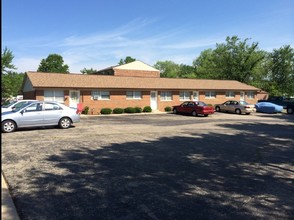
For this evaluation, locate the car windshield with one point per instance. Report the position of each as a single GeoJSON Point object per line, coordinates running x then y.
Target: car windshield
{"type": "Point", "coordinates": [202, 104]}
{"type": "Point", "coordinates": [18, 107]}
{"type": "Point", "coordinates": [243, 103]}
{"type": "Point", "coordinates": [8, 105]}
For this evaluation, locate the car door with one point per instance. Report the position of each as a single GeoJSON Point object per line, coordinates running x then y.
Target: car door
{"type": "Point", "coordinates": [183, 107]}
{"type": "Point", "coordinates": [226, 106]}
{"type": "Point", "coordinates": [231, 106]}
{"type": "Point", "coordinates": [190, 107]}
{"type": "Point", "coordinates": [52, 113]}
{"type": "Point", "coordinates": [32, 115]}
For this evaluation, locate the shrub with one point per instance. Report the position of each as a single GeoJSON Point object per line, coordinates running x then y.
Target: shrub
{"type": "Point", "coordinates": [147, 109]}
{"type": "Point", "coordinates": [86, 110]}
{"type": "Point", "coordinates": [167, 109]}
{"type": "Point", "coordinates": [118, 111]}
{"type": "Point", "coordinates": [129, 110]}
{"type": "Point", "coordinates": [209, 105]}
{"type": "Point", "coordinates": [106, 111]}
{"type": "Point", "coordinates": [138, 109]}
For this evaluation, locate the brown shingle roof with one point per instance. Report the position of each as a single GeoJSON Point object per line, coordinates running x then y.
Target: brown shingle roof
{"type": "Point", "coordinates": [80, 81]}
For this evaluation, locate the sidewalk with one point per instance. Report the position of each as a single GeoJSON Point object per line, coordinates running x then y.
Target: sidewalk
{"type": "Point", "coordinates": [8, 211]}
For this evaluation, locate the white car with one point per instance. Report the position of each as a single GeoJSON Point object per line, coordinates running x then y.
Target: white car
{"type": "Point", "coordinates": [39, 114]}
{"type": "Point", "coordinates": [15, 105]}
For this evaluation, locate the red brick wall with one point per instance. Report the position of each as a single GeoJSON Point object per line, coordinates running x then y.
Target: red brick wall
{"type": "Point", "coordinates": [118, 99]}
{"type": "Point", "coordinates": [140, 73]}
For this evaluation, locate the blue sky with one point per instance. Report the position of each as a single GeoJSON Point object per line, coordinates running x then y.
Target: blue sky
{"type": "Point", "coordinates": [98, 33]}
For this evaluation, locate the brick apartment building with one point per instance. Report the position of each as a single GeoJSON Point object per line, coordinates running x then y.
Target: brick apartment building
{"type": "Point", "coordinates": [134, 84]}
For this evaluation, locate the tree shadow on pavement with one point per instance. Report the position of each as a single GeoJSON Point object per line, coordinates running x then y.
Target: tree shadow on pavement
{"type": "Point", "coordinates": [245, 175]}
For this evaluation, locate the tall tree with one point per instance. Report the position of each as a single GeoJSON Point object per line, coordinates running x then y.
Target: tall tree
{"type": "Point", "coordinates": [234, 60]}
{"type": "Point", "coordinates": [11, 84]}
{"type": "Point", "coordinates": [53, 64]}
{"type": "Point", "coordinates": [168, 69]}
{"type": "Point", "coordinates": [205, 66]}
{"type": "Point", "coordinates": [282, 70]}
{"type": "Point", "coordinates": [6, 61]}
{"type": "Point", "coordinates": [128, 59]}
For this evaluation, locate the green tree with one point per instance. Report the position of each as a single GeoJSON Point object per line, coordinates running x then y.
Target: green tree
{"type": "Point", "coordinates": [6, 61]}
{"type": "Point", "coordinates": [167, 69]}
{"type": "Point", "coordinates": [88, 71]}
{"type": "Point", "coordinates": [187, 71]}
{"type": "Point", "coordinates": [204, 65]}
{"type": "Point", "coordinates": [128, 59]}
{"type": "Point", "coordinates": [11, 84]}
{"type": "Point", "coordinates": [234, 60]}
{"type": "Point", "coordinates": [282, 70]}
{"type": "Point", "coordinates": [53, 64]}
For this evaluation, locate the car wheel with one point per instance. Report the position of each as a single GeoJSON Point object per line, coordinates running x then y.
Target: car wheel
{"type": "Point", "coordinates": [217, 108]}
{"type": "Point", "coordinates": [238, 111]}
{"type": "Point", "coordinates": [290, 110]}
{"type": "Point", "coordinates": [194, 113]}
{"type": "Point", "coordinates": [175, 111]}
{"type": "Point", "coordinates": [205, 115]}
{"type": "Point", "coordinates": [8, 126]}
{"type": "Point", "coordinates": [64, 123]}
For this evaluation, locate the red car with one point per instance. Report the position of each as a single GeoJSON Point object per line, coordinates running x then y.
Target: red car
{"type": "Point", "coordinates": [194, 108]}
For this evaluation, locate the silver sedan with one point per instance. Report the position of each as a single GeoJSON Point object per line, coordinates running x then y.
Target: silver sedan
{"type": "Point", "coordinates": [39, 114]}
{"type": "Point", "coordinates": [238, 107]}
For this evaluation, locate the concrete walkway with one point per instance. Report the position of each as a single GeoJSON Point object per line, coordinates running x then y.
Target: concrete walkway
{"type": "Point", "coordinates": [8, 211]}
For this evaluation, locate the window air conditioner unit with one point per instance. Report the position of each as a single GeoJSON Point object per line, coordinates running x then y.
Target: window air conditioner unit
{"type": "Point", "coordinates": [95, 97]}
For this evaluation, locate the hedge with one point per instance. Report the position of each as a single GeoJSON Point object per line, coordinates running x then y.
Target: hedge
{"type": "Point", "coordinates": [106, 111]}
{"type": "Point", "coordinates": [147, 109]}
{"type": "Point", "coordinates": [118, 111]}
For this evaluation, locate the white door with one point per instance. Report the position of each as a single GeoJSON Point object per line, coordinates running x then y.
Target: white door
{"type": "Point", "coordinates": [195, 96]}
{"type": "Point", "coordinates": [242, 96]}
{"type": "Point", "coordinates": [153, 100]}
{"type": "Point", "coordinates": [74, 98]}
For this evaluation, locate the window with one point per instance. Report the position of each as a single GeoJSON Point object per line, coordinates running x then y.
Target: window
{"type": "Point", "coordinates": [166, 96]}
{"type": "Point", "coordinates": [52, 106]}
{"type": "Point", "coordinates": [100, 95]}
{"type": "Point", "coordinates": [34, 107]}
{"type": "Point", "coordinates": [134, 95]}
{"type": "Point", "coordinates": [185, 95]}
{"type": "Point", "coordinates": [210, 95]}
{"type": "Point", "coordinates": [250, 95]}
{"type": "Point", "coordinates": [54, 95]}
{"type": "Point", "coordinates": [230, 94]}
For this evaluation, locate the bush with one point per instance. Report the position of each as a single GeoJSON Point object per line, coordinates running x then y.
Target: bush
{"type": "Point", "coordinates": [86, 110]}
{"type": "Point", "coordinates": [167, 109]}
{"type": "Point", "coordinates": [147, 109]}
{"type": "Point", "coordinates": [138, 109]}
{"type": "Point", "coordinates": [129, 110]}
{"type": "Point", "coordinates": [118, 111]}
{"type": "Point", "coordinates": [106, 111]}
{"type": "Point", "coordinates": [209, 105]}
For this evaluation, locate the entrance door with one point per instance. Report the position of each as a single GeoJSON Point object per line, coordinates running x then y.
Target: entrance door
{"type": "Point", "coordinates": [195, 96]}
{"type": "Point", "coordinates": [74, 98]}
{"type": "Point", "coordinates": [242, 96]}
{"type": "Point", "coordinates": [153, 100]}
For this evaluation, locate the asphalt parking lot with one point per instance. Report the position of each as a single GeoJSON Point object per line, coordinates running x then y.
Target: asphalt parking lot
{"type": "Point", "coordinates": [154, 166]}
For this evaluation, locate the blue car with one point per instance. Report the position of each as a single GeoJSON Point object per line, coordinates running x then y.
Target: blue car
{"type": "Point", "coordinates": [268, 107]}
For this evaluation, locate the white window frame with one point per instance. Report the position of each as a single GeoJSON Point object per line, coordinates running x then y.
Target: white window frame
{"type": "Point", "coordinates": [250, 94]}
{"type": "Point", "coordinates": [55, 95]}
{"type": "Point", "coordinates": [210, 94]}
{"type": "Point", "coordinates": [166, 96]}
{"type": "Point", "coordinates": [100, 95]}
{"type": "Point", "coordinates": [185, 95]}
{"type": "Point", "coordinates": [230, 94]}
{"type": "Point", "coordinates": [134, 95]}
